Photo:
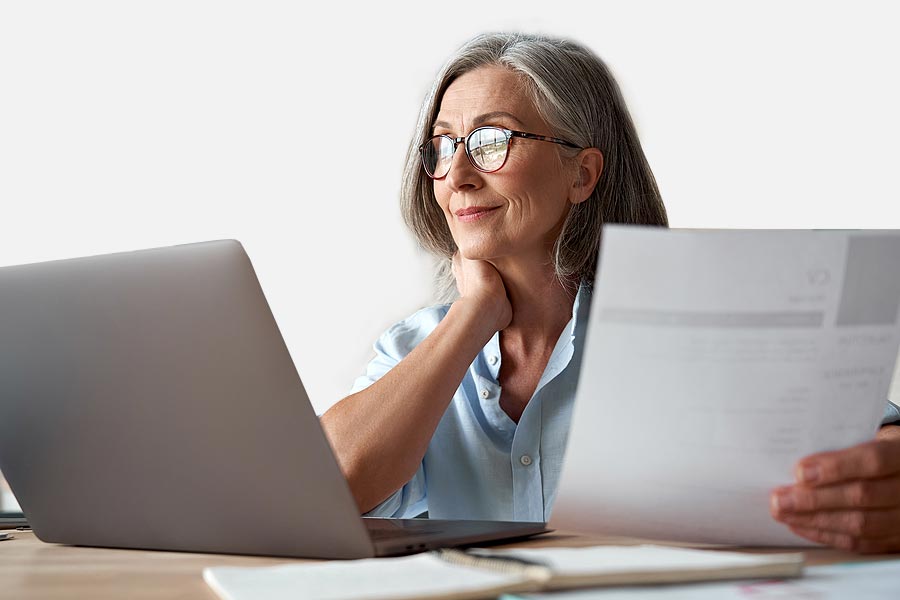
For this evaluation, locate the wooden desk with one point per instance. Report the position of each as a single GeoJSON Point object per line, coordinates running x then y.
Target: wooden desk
{"type": "Point", "coordinates": [32, 570]}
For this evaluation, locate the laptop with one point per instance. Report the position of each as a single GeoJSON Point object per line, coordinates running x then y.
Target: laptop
{"type": "Point", "coordinates": [12, 520]}
{"type": "Point", "coordinates": [148, 400]}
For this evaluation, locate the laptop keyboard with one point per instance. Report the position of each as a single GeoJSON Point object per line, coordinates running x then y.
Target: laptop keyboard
{"type": "Point", "coordinates": [388, 529]}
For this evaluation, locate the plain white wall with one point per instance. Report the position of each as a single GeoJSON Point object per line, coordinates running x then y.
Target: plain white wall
{"type": "Point", "coordinates": [126, 125]}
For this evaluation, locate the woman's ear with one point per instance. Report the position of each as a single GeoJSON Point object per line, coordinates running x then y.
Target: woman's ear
{"type": "Point", "coordinates": [590, 165]}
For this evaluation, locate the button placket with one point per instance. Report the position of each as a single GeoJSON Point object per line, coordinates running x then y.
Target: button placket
{"type": "Point", "coordinates": [492, 355]}
{"type": "Point", "coordinates": [488, 394]}
{"type": "Point", "coordinates": [525, 458]}
{"type": "Point", "coordinates": [527, 488]}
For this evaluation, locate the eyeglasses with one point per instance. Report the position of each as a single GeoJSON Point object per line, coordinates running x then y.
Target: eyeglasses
{"type": "Point", "coordinates": [486, 147]}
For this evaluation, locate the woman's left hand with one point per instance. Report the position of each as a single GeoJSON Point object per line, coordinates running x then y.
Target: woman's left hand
{"type": "Point", "coordinates": [849, 499]}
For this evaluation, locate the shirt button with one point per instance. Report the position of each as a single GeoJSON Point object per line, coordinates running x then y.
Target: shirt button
{"type": "Point", "coordinates": [485, 393]}
{"type": "Point", "coordinates": [525, 460]}
{"type": "Point", "coordinates": [493, 359]}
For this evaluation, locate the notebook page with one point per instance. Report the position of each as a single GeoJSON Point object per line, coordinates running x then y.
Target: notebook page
{"type": "Point", "coordinates": [419, 576]}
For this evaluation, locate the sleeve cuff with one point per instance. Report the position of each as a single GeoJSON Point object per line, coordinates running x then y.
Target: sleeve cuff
{"type": "Point", "coordinates": [891, 414]}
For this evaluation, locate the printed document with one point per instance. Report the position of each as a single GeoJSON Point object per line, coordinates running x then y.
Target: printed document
{"type": "Point", "coordinates": [714, 360]}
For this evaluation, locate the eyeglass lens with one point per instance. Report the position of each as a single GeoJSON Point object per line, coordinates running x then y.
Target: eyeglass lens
{"type": "Point", "coordinates": [487, 148]}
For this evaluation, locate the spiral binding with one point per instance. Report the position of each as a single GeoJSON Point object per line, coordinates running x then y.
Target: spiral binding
{"type": "Point", "coordinates": [507, 565]}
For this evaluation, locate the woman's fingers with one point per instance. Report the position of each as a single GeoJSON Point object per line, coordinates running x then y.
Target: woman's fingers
{"type": "Point", "coordinates": [861, 493]}
{"type": "Point", "coordinates": [878, 458]}
{"type": "Point", "coordinates": [456, 268]}
{"type": "Point", "coordinates": [848, 542]}
{"type": "Point", "coordinates": [870, 523]}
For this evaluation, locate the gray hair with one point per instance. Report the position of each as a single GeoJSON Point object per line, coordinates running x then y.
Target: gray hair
{"type": "Point", "coordinates": [576, 94]}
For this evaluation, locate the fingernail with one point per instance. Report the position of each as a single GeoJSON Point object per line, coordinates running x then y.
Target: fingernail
{"type": "Point", "coordinates": [783, 502]}
{"type": "Point", "coordinates": [809, 474]}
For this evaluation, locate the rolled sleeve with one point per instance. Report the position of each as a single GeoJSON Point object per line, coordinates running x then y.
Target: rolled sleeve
{"type": "Point", "coordinates": [407, 502]}
{"type": "Point", "coordinates": [891, 413]}
{"type": "Point", "coordinates": [394, 344]}
{"type": "Point", "coordinates": [385, 360]}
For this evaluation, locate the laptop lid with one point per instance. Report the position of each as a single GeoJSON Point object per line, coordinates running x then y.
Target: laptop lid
{"type": "Point", "coordinates": [149, 401]}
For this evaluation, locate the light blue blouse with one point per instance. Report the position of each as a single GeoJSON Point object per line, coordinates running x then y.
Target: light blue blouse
{"type": "Point", "coordinates": [480, 464]}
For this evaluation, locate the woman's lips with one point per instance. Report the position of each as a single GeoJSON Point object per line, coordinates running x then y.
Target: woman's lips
{"type": "Point", "coordinates": [473, 213]}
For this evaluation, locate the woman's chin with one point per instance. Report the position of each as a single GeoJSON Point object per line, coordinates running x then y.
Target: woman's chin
{"type": "Point", "coordinates": [477, 253]}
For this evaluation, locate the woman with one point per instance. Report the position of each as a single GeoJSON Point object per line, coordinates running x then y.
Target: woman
{"type": "Point", "coordinates": [464, 411]}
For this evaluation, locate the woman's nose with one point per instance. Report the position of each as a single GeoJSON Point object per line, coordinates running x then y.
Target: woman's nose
{"type": "Point", "coordinates": [462, 175]}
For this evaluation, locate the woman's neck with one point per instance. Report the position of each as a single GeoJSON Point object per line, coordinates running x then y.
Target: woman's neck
{"type": "Point", "coordinates": [541, 304]}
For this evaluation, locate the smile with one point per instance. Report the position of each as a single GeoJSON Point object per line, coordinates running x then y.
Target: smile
{"type": "Point", "coordinates": [474, 213]}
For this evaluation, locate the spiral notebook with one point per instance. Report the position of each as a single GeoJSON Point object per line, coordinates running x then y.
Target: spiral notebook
{"type": "Point", "coordinates": [478, 573]}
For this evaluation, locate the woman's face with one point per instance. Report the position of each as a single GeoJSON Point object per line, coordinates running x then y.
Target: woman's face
{"type": "Point", "coordinates": [527, 200]}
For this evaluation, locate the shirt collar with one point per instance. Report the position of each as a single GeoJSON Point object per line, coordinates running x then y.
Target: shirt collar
{"type": "Point", "coordinates": [581, 308]}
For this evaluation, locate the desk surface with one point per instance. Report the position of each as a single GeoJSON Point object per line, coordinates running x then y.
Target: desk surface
{"type": "Point", "coordinates": [31, 569]}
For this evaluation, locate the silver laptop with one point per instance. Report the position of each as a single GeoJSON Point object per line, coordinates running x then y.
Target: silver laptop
{"type": "Point", "coordinates": [147, 400]}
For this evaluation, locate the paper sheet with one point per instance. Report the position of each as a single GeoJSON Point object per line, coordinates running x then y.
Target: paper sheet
{"type": "Point", "coordinates": [714, 361]}
{"type": "Point", "coordinates": [859, 581]}
{"type": "Point", "coordinates": [599, 560]}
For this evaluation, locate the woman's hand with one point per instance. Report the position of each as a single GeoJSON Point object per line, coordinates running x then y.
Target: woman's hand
{"type": "Point", "coordinates": [848, 498]}
{"type": "Point", "coordinates": [480, 283]}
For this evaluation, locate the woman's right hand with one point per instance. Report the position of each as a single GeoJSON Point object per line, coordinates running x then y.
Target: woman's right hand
{"type": "Point", "coordinates": [480, 283]}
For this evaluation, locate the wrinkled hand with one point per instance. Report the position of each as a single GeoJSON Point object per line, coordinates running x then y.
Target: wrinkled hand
{"type": "Point", "coordinates": [479, 282]}
{"type": "Point", "coordinates": [849, 499]}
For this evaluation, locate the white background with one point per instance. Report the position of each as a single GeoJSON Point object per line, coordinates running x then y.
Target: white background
{"type": "Point", "coordinates": [126, 125]}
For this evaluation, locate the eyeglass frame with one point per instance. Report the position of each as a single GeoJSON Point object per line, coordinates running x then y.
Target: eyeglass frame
{"type": "Point", "coordinates": [509, 133]}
